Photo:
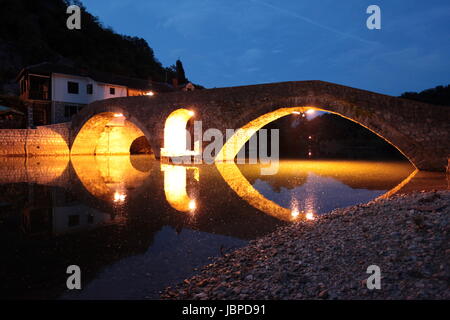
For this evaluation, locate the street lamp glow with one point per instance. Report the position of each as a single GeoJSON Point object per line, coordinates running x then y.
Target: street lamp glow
{"type": "Point", "coordinates": [118, 115]}
{"type": "Point", "coordinates": [310, 111]}
{"type": "Point", "coordinates": [192, 205]}
{"type": "Point", "coordinates": [310, 216]}
{"type": "Point", "coordinates": [150, 93]}
{"type": "Point", "coordinates": [119, 197]}
{"type": "Point", "coordinates": [295, 112]}
{"type": "Point", "coordinates": [191, 113]}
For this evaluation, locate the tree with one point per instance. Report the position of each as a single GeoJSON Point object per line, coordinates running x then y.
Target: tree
{"type": "Point", "coordinates": [181, 76]}
{"type": "Point", "coordinates": [439, 95]}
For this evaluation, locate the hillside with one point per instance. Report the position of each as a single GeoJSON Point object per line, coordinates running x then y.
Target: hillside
{"type": "Point", "coordinates": [35, 31]}
{"type": "Point", "coordinates": [439, 95]}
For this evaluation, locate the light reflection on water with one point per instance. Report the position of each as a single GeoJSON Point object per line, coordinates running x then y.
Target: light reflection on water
{"type": "Point", "coordinates": [135, 225]}
{"type": "Point", "coordinates": [316, 187]}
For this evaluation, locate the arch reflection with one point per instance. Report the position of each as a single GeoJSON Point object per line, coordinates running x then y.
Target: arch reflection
{"type": "Point", "coordinates": [175, 187]}
{"type": "Point", "coordinates": [108, 177]}
{"type": "Point", "coordinates": [306, 210]}
{"type": "Point", "coordinates": [236, 180]}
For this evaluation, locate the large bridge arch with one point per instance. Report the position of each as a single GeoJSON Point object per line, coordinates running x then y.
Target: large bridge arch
{"type": "Point", "coordinates": [243, 134]}
{"type": "Point", "coordinates": [421, 131]}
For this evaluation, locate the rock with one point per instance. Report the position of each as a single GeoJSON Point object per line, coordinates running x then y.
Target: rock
{"type": "Point", "coordinates": [201, 296]}
{"type": "Point", "coordinates": [202, 283]}
{"type": "Point", "coordinates": [323, 294]}
{"type": "Point", "coordinates": [249, 278]}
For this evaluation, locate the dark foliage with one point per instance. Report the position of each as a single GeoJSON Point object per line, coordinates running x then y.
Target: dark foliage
{"type": "Point", "coordinates": [180, 72]}
{"type": "Point", "coordinates": [32, 32]}
{"type": "Point", "coordinates": [439, 95]}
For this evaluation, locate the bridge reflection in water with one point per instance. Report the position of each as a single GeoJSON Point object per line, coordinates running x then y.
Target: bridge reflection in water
{"type": "Point", "coordinates": [156, 221]}
{"type": "Point", "coordinates": [175, 187]}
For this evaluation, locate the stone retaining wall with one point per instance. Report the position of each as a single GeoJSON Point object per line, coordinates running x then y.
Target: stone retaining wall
{"type": "Point", "coordinates": [44, 140]}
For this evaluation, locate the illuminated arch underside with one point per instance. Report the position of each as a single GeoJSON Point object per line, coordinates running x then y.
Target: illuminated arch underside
{"type": "Point", "coordinates": [175, 135]}
{"type": "Point", "coordinates": [233, 145]}
{"type": "Point", "coordinates": [106, 134]}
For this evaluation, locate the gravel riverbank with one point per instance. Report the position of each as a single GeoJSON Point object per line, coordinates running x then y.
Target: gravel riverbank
{"type": "Point", "coordinates": [407, 236]}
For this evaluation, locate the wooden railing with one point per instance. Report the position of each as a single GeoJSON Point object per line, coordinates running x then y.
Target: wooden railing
{"type": "Point", "coordinates": [38, 95]}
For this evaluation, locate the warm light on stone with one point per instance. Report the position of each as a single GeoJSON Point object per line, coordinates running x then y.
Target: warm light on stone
{"type": "Point", "coordinates": [192, 205]}
{"type": "Point", "coordinates": [175, 134]}
{"type": "Point", "coordinates": [106, 134]}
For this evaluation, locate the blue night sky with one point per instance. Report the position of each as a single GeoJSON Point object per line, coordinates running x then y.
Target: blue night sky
{"type": "Point", "coordinates": [230, 43]}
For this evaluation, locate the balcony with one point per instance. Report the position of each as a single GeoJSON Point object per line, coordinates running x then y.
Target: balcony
{"type": "Point", "coordinates": [38, 95]}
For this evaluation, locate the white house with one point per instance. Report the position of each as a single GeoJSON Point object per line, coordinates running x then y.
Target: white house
{"type": "Point", "coordinates": [56, 92]}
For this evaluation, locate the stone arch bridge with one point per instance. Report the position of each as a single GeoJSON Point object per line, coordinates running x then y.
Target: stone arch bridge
{"type": "Point", "coordinates": [419, 130]}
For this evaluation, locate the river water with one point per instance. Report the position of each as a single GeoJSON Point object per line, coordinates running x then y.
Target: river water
{"type": "Point", "coordinates": [135, 226]}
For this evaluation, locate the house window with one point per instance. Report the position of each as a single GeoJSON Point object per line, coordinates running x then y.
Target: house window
{"type": "Point", "coordinates": [72, 87]}
{"type": "Point", "coordinates": [69, 111]}
{"type": "Point", "coordinates": [112, 91]}
{"type": "Point", "coordinates": [89, 89]}
{"type": "Point", "coordinates": [74, 220]}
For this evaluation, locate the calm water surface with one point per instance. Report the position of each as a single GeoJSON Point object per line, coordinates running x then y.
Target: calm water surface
{"type": "Point", "coordinates": [135, 226]}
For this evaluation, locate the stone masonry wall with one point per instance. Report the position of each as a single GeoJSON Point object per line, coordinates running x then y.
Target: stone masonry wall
{"type": "Point", "coordinates": [44, 140]}
{"type": "Point", "coordinates": [59, 112]}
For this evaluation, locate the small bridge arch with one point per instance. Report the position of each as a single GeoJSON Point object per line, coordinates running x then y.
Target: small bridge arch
{"type": "Point", "coordinates": [107, 131]}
